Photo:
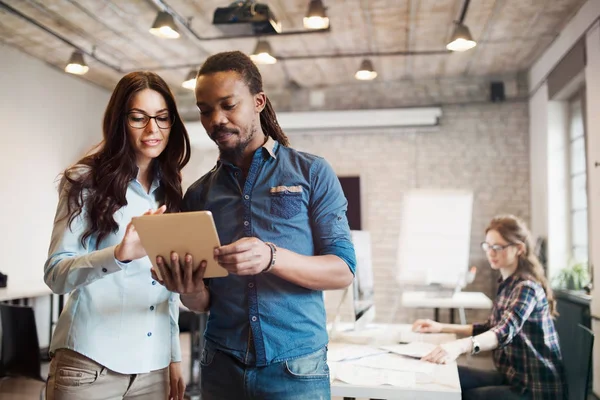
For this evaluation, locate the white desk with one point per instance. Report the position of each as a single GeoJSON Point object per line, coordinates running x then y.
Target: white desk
{"type": "Point", "coordinates": [460, 300]}
{"type": "Point", "coordinates": [20, 290]}
{"type": "Point", "coordinates": [443, 383]}
{"type": "Point", "coordinates": [24, 290]}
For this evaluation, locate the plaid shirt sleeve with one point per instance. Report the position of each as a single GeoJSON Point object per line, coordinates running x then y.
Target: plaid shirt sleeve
{"type": "Point", "coordinates": [521, 304]}
{"type": "Point", "coordinates": [479, 328]}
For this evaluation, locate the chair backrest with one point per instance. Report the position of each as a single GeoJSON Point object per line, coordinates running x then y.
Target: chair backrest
{"type": "Point", "coordinates": [577, 357]}
{"type": "Point", "coordinates": [20, 349]}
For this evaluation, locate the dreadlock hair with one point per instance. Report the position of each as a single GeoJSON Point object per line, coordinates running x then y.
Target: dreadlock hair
{"type": "Point", "coordinates": [243, 65]}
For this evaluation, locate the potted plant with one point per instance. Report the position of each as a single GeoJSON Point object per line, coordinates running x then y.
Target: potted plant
{"type": "Point", "coordinates": [574, 277]}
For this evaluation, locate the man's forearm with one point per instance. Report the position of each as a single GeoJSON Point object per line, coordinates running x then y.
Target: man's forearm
{"type": "Point", "coordinates": [198, 302]}
{"type": "Point", "coordinates": [312, 272]}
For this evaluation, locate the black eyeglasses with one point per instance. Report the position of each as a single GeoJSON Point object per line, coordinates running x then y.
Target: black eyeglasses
{"type": "Point", "coordinates": [138, 120]}
{"type": "Point", "coordinates": [485, 246]}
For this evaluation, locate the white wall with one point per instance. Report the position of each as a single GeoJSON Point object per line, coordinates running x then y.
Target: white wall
{"type": "Point", "coordinates": [538, 154]}
{"type": "Point", "coordinates": [592, 77]}
{"type": "Point", "coordinates": [49, 119]}
{"type": "Point", "coordinates": [558, 184]}
{"type": "Point", "coordinates": [546, 127]}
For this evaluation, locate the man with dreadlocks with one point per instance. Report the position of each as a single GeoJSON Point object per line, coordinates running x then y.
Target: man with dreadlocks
{"type": "Point", "coordinates": [281, 214]}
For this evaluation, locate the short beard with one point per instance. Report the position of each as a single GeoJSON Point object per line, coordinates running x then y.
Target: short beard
{"type": "Point", "coordinates": [237, 153]}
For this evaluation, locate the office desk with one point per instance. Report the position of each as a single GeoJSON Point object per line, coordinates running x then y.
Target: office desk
{"type": "Point", "coordinates": [460, 300]}
{"type": "Point", "coordinates": [446, 387]}
{"type": "Point", "coordinates": [443, 383]}
{"type": "Point", "coordinates": [22, 291]}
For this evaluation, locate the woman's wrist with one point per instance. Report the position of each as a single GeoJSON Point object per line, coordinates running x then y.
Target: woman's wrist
{"type": "Point", "coordinates": [118, 253]}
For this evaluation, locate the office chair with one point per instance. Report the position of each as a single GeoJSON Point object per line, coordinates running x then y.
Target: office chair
{"type": "Point", "coordinates": [577, 357]}
{"type": "Point", "coordinates": [19, 350]}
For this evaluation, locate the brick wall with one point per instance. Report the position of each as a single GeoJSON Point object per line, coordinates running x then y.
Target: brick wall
{"type": "Point", "coordinates": [479, 146]}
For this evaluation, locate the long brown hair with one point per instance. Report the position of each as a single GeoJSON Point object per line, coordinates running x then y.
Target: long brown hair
{"type": "Point", "coordinates": [514, 231]}
{"type": "Point", "coordinates": [98, 182]}
{"type": "Point", "coordinates": [243, 65]}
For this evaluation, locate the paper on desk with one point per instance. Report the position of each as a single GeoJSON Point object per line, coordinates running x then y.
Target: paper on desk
{"type": "Point", "coordinates": [345, 351]}
{"type": "Point", "coordinates": [407, 335]}
{"type": "Point", "coordinates": [413, 349]}
{"type": "Point", "coordinates": [396, 363]}
{"type": "Point", "coordinates": [364, 376]}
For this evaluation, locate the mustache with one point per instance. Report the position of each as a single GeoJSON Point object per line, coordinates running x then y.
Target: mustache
{"type": "Point", "coordinates": [222, 129]}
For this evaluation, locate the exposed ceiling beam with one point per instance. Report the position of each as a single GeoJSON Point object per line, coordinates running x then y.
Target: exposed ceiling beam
{"type": "Point", "coordinates": [316, 56]}
{"type": "Point", "coordinates": [90, 54]}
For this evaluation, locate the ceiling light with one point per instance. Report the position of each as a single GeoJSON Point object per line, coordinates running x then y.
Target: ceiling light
{"type": "Point", "coordinates": [262, 53]}
{"type": "Point", "coordinates": [190, 80]}
{"type": "Point", "coordinates": [77, 64]}
{"type": "Point", "coordinates": [461, 39]}
{"type": "Point", "coordinates": [366, 72]}
{"type": "Point", "coordinates": [316, 17]}
{"type": "Point", "coordinates": [164, 26]}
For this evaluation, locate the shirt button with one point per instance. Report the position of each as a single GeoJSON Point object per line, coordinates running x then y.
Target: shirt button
{"type": "Point", "coordinates": [154, 282]}
{"type": "Point", "coordinates": [151, 308]}
{"type": "Point", "coordinates": [104, 270]}
{"type": "Point", "coordinates": [254, 319]}
{"type": "Point", "coordinates": [246, 197]}
{"type": "Point", "coordinates": [246, 223]}
{"type": "Point", "coordinates": [149, 334]}
{"type": "Point", "coordinates": [251, 285]}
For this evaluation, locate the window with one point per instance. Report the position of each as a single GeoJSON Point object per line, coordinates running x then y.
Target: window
{"type": "Point", "coordinates": [578, 181]}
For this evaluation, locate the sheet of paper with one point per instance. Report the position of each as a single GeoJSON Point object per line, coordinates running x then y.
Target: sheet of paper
{"type": "Point", "coordinates": [413, 349]}
{"type": "Point", "coordinates": [407, 335]}
{"type": "Point", "coordinates": [396, 363]}
{"type": "Point", "coordinates": [365, 376]}
{"type": "Point", "coordinates": [345, 351]}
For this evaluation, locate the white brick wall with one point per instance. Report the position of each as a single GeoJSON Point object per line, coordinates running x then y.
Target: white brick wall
{"type": "Point", "coordinates": [480, 146]}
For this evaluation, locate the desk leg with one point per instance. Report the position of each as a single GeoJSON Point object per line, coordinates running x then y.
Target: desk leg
{"type": "Point", "coordinates": [452, 315]}
{"type": "Point", "coordinates": [61, 303]}
{"type": "Point", "coordinates": [436, 314]}
{"type": "Point", "coordinates": [51, 325]}
{"type": "Point", "coordinates": [198, 327]}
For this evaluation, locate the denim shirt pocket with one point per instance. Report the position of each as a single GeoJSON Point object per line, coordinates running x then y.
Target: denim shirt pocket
{"type": "Point", "coordinates": [286, 201]}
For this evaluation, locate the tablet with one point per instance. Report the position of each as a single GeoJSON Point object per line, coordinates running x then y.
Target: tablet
{"type": "Point", "coordinates": [187, 232]}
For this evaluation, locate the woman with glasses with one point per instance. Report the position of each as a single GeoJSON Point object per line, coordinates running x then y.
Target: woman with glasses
{"type": "Point", "coordinates": [520, 330]}
{"type": "Point", "coordinates": [118, 336]}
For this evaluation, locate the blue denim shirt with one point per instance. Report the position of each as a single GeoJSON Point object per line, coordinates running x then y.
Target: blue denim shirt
{"type": "Point", "coordinates": [294, 200]}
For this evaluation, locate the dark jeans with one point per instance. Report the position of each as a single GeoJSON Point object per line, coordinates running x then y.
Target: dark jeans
{"type": "Point", "coordinates": [225, 378]}
{"type": "Point", "coordinates": [486, 385]}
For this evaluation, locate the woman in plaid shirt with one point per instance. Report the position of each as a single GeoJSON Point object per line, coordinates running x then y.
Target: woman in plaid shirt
{"type": "Point", "coordinates": [520, 329]}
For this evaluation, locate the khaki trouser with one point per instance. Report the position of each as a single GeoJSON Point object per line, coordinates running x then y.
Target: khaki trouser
{"type": "Point", "coordinates": [73, 376]}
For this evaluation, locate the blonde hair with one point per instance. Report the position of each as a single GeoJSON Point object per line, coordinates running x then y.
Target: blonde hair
{"type": "Point", "coordinates": [514, 231]}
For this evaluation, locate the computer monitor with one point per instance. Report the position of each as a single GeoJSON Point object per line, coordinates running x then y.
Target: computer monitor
{"type": "Point", "coordinates": [355, 304]}
{"type": "Point", "coordinates": [363, 288]}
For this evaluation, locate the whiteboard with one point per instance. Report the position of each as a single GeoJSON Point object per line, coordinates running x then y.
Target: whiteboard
{"type": "Point", "coordinates": [435, 237]}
